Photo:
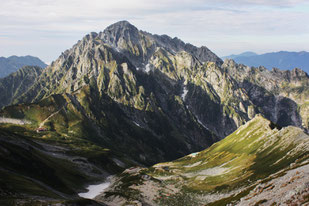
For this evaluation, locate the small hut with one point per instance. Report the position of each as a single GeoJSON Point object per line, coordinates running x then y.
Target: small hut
{"type": "Point", "coordinates": [41, 129]}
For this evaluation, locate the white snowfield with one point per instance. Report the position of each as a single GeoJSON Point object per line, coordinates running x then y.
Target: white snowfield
{"type": "Point", "coordinates": [14, 121]}
{"type": "Point", "coordinates": [95, 190]}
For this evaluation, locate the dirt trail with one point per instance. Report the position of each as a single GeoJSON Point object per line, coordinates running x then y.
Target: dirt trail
{"type": "Point", "coordinates": [50, 116]}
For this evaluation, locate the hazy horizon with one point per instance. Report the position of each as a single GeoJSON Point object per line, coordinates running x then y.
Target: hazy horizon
{"type": "Point", "coordinates": [46, 28]}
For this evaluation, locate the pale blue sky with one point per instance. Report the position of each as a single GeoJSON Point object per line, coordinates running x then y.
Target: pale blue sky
{"type": "Point", "coordinates": [45, 28]}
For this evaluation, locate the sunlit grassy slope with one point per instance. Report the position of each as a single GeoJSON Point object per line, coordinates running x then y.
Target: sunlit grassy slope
{"type": "Point", "coordinates": [255, 152]}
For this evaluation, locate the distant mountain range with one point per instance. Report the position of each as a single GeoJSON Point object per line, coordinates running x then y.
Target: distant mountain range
{"type": "Point", "coordinates": [13, 63]}
{"type": "Point", "coordinates": [282, 60]}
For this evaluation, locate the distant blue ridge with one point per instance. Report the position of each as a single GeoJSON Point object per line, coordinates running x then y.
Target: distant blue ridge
{"type": "Point", "coordinates": [283, 60]}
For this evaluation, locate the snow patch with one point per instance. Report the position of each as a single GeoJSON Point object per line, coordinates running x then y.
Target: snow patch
{"type": "Point", "coordinates": [147, 68]}
{"type": "Point", "coordinates": [214, 171]}
{"type": "Point", "coordinates": [14, 121]}
{"type": "Point", "coordinates": [119, 163]}
{"type": "Point", "coordinates": [193, 154]}
{"type": "Point", "coordinates": [137, 124]}
{"type": "Point", "coordinates": [201, 123]}
{"type": "Point", "coordinates": [184, 93]}
{"type": "Point", "coordinates": [95, 190]}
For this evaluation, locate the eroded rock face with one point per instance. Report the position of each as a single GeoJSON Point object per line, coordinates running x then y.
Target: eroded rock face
{"type": "Point", "coordinates": [282, 96]}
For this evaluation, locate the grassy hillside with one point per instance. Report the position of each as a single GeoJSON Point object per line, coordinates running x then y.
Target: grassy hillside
{"type": "Point", "coordinates": [258, 151]}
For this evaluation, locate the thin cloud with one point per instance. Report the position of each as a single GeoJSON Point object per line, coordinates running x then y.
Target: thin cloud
{"type": "Point", "coordinates": [61, 23]}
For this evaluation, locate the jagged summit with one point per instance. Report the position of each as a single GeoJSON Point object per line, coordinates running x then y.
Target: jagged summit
{"type": "Point", "coordinates": [124, 24]}
{"type": "Point", "coordinates": [120, 31]}
{"type": "Point", "coordinates": [139, 46]}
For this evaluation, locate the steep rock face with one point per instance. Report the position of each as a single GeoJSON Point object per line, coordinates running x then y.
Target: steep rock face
{"type": "Point", "coordinates": [157, 133]}
{"type": "Point", "coordinates": [255, 157]}
{"type": "Point", "coordinates": [144, 96]}
{"type": "Point", "coordinates": [282, 96]}
{"type": "Point", "coordinates": [17, 83]}
{"type": "Point", "coordinates": [13, 63]}
{"type": "Point", "coordinates": [206, 89]}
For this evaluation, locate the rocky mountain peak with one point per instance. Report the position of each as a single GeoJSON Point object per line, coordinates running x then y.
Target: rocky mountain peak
{"type": "Point", "coordinates": [139, 70]}
{"type": "Point", "coordinates": [229, 63]}
{"type": "Point", "coordinates": [90, 36]}
{"type": "Point", "coordinates": [118, 32]}
{"type": "Point", "coordinates": [121, 25]}
{"type": "Point", "coordinates": [139, 46]}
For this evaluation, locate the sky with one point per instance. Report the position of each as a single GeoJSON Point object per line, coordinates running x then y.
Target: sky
{"type": "Point", "coordinates": [45, 28]}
